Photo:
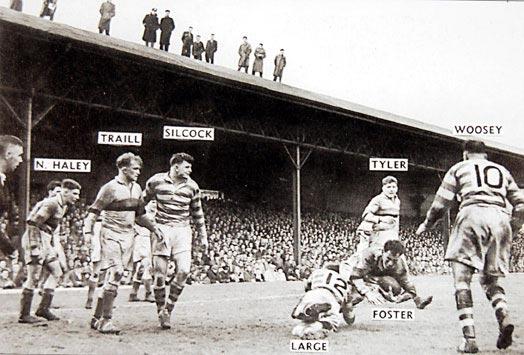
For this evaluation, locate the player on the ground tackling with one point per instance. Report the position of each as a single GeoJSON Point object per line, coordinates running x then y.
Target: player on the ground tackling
{"type": "Point", "coordinates": [324, 307]}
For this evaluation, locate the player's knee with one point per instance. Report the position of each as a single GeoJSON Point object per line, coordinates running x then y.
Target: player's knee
{"type": "Point", "coordinates": [160, 281]}
{"type": "Point", "coordinates": [181, 276]}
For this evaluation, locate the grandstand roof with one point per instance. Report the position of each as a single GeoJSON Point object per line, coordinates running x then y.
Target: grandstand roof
{"type": "Point", "coordinates": [34, 27]}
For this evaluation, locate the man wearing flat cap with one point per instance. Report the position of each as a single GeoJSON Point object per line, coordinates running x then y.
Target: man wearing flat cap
{"type": "Point", "coordinates": [151, 25]}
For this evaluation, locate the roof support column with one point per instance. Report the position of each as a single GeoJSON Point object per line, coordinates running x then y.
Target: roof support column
{"type": "Point", "coordinates": [27, 186]}
{"type": "Point", "coordinates": [298, 163]}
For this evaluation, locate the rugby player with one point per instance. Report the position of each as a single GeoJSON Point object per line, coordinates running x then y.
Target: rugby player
{"type": "Point", "coordinates": [325, 306]}
{"type": "Point", "coordinates": [381, 274]}
{"type": "Point", "coordinates": [380, 219]}
{"type": "Point", "coordinates": [39, 251]}
{"type": "Point", "coordinates": [481, 236]}
{"type": "Point", "coordinates": [142, 258]}
{"type": "Point", "coordinates": [53, 188]}
{"type": "Point", "coordinates": [95, 254]}
{"type": "Point", "coordinates": [178, 201]}
{"type": "Point", "coordinates": [118, 203]}
{"type": "Point", "coordinates": [11, 150]}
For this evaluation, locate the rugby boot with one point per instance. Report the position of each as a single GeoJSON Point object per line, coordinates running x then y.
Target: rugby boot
{"type": "Point", "coordinates": [106, 326]}
{"type": "Point", "coordinates": [94, 323]}
{"type": "Point", "coordinates": [89, 303]}
{"type": "Point", "coordinates": [164, 318]}
{"type": "Point", "coordinates": [422, 303]}
{"type": "Point", "coordinates": [25, 308]}
{"type": "Point", "coordinates": [468, 346]}
{"type": "Point", "coordinates": [314, 331]}
{"type": "Point", "coordinates": [149, 297]}
{"type": "Point", "coordinates": [505, 336]}
{"type": "Point", "coordinates": [43, 310]}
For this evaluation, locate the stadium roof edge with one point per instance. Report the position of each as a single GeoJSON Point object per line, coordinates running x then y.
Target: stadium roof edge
{"type": "Point", "coordinates": [229, 77]}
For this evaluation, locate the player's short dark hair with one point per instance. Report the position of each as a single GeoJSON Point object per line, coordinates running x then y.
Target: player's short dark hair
{"type": "Point", "coordinates": [7, 140]}
{"type": "Point", "coordinates": [473, 146]}
{"type": "Point", "coordinates": [53, 184]}
{"type": "Point", "coordinates": [395, 246]}
{"type": "Point", "coordinates": [70, 184]}
{"type": "Point", "coordinates": [126, 159]}
{"type": "Point", "coordinates": [389, 179]}
{"type": "Point", "coordinates": [178, 158]}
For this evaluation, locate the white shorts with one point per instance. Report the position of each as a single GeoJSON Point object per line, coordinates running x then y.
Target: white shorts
{"type": "Point", "coordinates": [176, 240]}
{"type": "Point", "coordinates": [142, 248]}
{"type": "Point", "coordinates": [96, 254]}
{"type": "Point", "coordinates": [320, 296]}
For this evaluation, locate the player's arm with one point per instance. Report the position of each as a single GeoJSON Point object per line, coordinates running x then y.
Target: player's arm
{"type": "Point", "coordinates": [37, 223]}
{"type": "Point", "coordinates": [443, 200]}
{"type": "Point", "coordinates": [369, 214]}
{"type": "Point", "coordinates": [515, 196]}
{"type": "Point", "coordinates": [143, 220]}
{"type": "Point", "coordinates": [362, 269]}
{"type": "Point", "coordinates": [103, 199]}
{"type": "Point", "coordinates": [149, 192]}
{"type": "Point", "coordinates": [197, 213]}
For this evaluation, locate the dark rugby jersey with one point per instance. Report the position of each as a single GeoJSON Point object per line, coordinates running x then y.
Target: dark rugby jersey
{"type": "Point", "coordinates": [118, 204]}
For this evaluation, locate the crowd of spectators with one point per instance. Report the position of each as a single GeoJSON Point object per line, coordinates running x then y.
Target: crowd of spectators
{"type": "Point", "coordinates": [255, 244]}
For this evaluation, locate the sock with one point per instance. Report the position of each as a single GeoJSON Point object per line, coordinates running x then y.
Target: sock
{"type": "Point", "coordinates": [174, 292]}
{"type": "Point", "coordinates": [497, 297]}
{"type": "Point", "coordinates": [99, 307]}
{"type": "Point", "coordinates": [465, 312]}
{"type": "Point", "coordinates": [160, 298]}
{"type": "Point", "coordinates": [107, 306]}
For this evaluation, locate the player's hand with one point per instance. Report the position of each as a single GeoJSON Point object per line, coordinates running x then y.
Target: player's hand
{"type": "Point", "coordinates": [389, 296]}
{"type": "Point", "coordinates": [159, 234]}
{"type": "Point", "coordinates": [421, 229]}
{"type": "Point", "coordinates": [375, 298]}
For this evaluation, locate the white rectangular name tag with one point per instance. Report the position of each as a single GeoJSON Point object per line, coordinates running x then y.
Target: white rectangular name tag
{"type": "Point", "coordinates": [309, 346]}
{"type": "Point", "coordinates": [477, 130]}
{"type": "Point", "coordinates": [189, 133]}
{"type": "Point", "coordinates": [388, 164]}
{"type": "Point", "coordinates": [120, 138]}
{"type": "Point", "coordinates": [66, 165]}
{"type": "Point", "coordinates": [392, 314]}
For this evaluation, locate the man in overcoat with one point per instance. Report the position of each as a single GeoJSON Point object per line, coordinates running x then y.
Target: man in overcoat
{"type": "Point", "coordinates": [107, 12]}
{"type": "Point", "coordinates": [211, 48]}
{"type": "Point", "coordinates": [244, 51]}
{"type": "Point", "coordinates": [280, 63]}
{"type": "Point", "coordinates": [258, 64]}
{"type": "Point", "coordinates": [167, 25]}
{"type": "Point", "coordinates": [151, 25]}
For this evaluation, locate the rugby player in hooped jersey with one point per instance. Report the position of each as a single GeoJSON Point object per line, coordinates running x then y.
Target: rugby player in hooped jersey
{"type": "Point", "coordinates": [380, 219]}
{"type": "Point", "coordinates": [178, 202]}
{"type": "Point", "coordinates": [119, 204]}
{"type": "Point", "coordinates": [326, 304]}
{"type": "Point", "coordinates": [481, 235]}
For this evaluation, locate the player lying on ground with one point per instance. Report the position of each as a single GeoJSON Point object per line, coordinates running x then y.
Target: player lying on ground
{"type": "Point", "coordinates": [481, 235]}
{"type": "Point", "coordinates": [383, 275]}
{"type": "Point", "coordinates": [324, 307]}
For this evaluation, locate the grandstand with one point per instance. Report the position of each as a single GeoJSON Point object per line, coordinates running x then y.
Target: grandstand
{"type": "Point", "coordinates": [267, 133]}
{"type": "Point", "coordinates": [288, 161]}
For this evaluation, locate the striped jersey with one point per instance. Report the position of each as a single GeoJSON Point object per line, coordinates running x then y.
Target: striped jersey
{"type": "Point", "coordinates": [176, 204]}
{"type": "Point", "coordinates": [381, 206]}
{"type": "Point", "coordinates": [477, 182]}
{"type": "Point", "coordinates": [330, 280]}
{"type": "Point", "coordinates": [118, 204]}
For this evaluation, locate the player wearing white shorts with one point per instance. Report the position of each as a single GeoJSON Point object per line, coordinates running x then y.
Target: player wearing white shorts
{"type": "Point", "coordinates": [178, 202]}
{"type": "Point", "coordinates": [53, 188]}
{"type": "Point", "coordinates": [95, 256]}
{"type": "Point", "coordinates": [325, 305]}
{"type": "Point", "coordinates": [142, 258]}
{"type": "Point", "coordinates": [118, 203]}
{"type": "Point", "coordinates": [39, 251]}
